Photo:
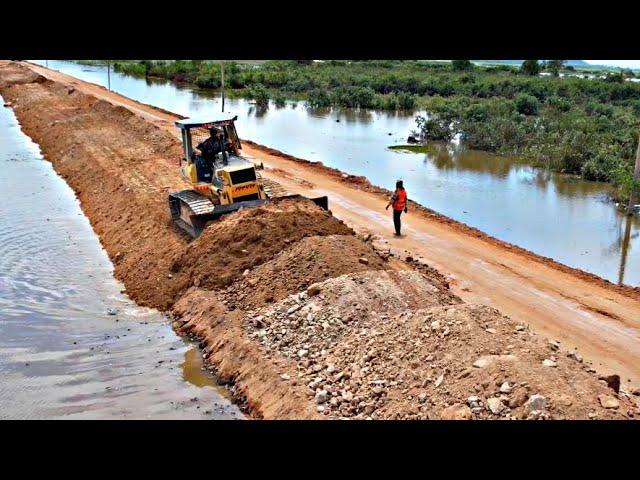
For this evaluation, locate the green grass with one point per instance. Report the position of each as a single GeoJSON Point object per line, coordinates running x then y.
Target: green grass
{"type": "Point", "coordinates": [414, 148]}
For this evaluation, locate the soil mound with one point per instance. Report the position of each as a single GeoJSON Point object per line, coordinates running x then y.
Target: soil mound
{"type": "Point", "coordinates": [249, 238]}
{"type": "Point", "coordinates": [381, 345]}
{"type": "Point", "coordinates": [311, 260]}
{"type": "Point", "coordinates": [15, 74]}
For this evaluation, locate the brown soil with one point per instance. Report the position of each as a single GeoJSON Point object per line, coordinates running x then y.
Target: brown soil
{"type": "Point", "coordinates": [248, 238]}
{"type": "Point", "coordinates": [384, 344]}
{"type": "Point", "coordinates": [116, 163]}
{"type": "Point", "coordinates": [308, 261]}
{"type": "Point", "coordinates": [375, 324]}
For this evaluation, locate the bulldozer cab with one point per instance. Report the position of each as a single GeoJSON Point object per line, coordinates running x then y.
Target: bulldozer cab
{"type": "Point", "coordinates": [222, 180]}
{"type": "Point", "coordinates": [212, 164]}
{"type": "Point", "coordinates": [196, 131]}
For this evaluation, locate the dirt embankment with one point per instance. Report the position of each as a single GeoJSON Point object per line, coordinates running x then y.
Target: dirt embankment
{"type": "Point", "coordinates": [249, 238]}
{"type": "Point", "coordinates": [308, 261]}
{"type": "Point", "coordinates": [302, 317]}
{"type": "Point", "coordinates": [116, 164]}
{"type": "Point", "coordinates": [384, 345]}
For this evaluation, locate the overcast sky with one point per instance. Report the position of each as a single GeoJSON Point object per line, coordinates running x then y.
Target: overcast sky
{"type": "Point", "coordinates": [617, 63]}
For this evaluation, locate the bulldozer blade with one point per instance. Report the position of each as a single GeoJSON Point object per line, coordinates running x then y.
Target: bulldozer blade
{"type": "Point", "coordinates": [322, 202]}
{"type": "Point", "coordinates": [192, 212]}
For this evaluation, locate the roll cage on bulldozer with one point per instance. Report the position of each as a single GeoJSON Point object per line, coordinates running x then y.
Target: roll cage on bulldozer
{"type": "Point", "coordinates": [222, 180]}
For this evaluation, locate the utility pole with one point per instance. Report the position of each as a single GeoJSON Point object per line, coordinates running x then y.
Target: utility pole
{"type": "Point", "coordinates": [222, 72]}
{"type": "Point", "coordinates": [109, 74]}
{"type": "Point", "coordinates": [636, 179]}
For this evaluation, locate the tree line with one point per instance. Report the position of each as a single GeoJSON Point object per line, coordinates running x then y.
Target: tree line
{"type": "Point", "coordinates": [582, 126]}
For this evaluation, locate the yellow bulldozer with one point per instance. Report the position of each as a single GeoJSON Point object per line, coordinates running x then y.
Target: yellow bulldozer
{"type": "Point", "coordinates": [222, 180]}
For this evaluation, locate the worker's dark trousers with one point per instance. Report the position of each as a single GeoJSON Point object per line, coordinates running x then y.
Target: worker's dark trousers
{"type": "Point", "coordinates": [396, 220]}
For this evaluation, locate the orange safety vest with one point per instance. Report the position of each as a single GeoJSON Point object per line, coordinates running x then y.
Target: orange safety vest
{"type": "Point", "coordinates": [401, 200]}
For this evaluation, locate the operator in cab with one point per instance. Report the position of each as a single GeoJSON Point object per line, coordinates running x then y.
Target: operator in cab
{"type": "Point", "coordinates": [216, 144]}
{"type": "Point", "coordinates": [209, 150]}
{"type": "Point", "coordinates": [212, 146]}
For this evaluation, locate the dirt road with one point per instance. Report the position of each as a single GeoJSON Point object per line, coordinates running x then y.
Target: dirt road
{"type": "Point", "coordinates": [600, 320]}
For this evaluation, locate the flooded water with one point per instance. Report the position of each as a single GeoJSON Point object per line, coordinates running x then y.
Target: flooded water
{"type": "Point", "coordinates": [557, 216]}
{"type": "Point", "coordinates": [62, 354]}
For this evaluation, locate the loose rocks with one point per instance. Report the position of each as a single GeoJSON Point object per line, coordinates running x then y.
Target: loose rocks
{"type": "Point", "coordinates": [456, 412]}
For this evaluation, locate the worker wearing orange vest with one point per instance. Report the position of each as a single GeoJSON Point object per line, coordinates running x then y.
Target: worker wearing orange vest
{"type": "Point", "coordinates": [399, 202]}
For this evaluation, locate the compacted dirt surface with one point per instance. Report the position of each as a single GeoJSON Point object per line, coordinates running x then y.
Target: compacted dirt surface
{"type": "Point", "coordinates": [309, 314]}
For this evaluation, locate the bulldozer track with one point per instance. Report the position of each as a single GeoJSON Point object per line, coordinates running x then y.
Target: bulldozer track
{"type": "Point", "coordinates": [272, 188]}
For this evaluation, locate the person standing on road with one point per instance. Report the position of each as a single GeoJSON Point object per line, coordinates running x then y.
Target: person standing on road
{"type": "Point", "coordinates": [399, 202]}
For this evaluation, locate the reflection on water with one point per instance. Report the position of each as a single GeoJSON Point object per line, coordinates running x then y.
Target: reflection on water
{"type": "Point", "coordinates": [557, 216]}
{"type": "Point", "coordinates": [576, 212]}
{"type": "Point", "coordinates": [624, 248]}
{"type": "Point", "coordinates": [62, 354]}
{"type": "Point", "coordinates": [193, 371]}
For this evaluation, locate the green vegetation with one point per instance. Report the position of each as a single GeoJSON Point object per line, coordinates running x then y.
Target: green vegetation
{"type": "Point", "coordinates": [581, 126]}
{"type": "Point", "coordinates": [461, 65]}
{"type": "Point", "coordinates": [259, 94]}
{"type": "Point", "coordinates": [530, 67]}
{"type": "Point", "coordinates": [426, 148]}
{"type": "Point", "coordinates": [321, 84]}
{"type": "Point", "coordinates": [554, 66]}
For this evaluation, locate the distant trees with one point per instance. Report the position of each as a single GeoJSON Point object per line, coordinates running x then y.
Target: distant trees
{"type": "Point", "coordinates": [259, 94]}
{"type": "Point", "coordinates": [461, 65]}
{"type": "Point", "coordinates": [628, 73]}
{"type": "Point", "coordinates": [554, 66]}
{"type": "Point", "coordinates": [614, 77]}
{"type": "Point", "coordinates": [577, 125]}
{"type": "Point", "coordinates": [530, 67]}
{"type": "Point", "coordinates": [318, 98]}
{"type": "Point", "coordinates": [436, 126]}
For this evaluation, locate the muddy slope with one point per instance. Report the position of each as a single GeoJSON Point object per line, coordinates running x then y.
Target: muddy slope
{"type": "Point", "coordinates": [116, 164]}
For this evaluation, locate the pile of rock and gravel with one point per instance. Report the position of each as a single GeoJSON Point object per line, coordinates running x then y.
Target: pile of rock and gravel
{"type": "Point", "coordinates": [382, 345]}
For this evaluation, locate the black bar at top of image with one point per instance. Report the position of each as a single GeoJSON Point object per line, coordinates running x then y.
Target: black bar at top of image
{"type": "Point", "coordinates": [319, 31]}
